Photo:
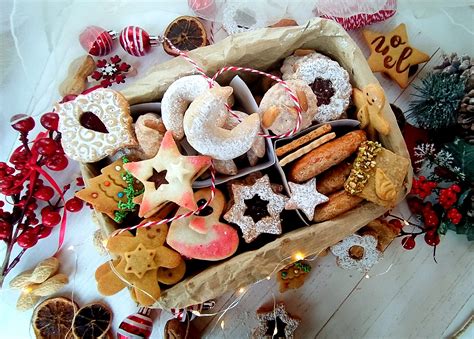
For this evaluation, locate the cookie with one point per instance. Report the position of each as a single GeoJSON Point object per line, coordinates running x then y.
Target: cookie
{"type": "Point", "coordinates": [140, 258]}
{"type": "Point", "coordinates": [370, 102]}
{"type": "Point", "coordinates": [377, 174]}
{"type": "Point", "coordinates": [167, 177]}
{"type": "Point", "coordinates": [334, 178]}
{"type": "Point", "coordinates": [384, 231]}
{"type": "Point", "coordinates": [149, 129]}
{"type": "Point", "coordinates": [392, 54]}
{"type": "Point", "coordinates": [297, 143]}
{"type": "Point", "coordinates": [339, 202]}
{"type": "Point", "coordinates": [106, 115]}
{"type": "Point", "coordinates": [203, 125]}
{"type": "Point", "coordinates": [278, 112]}
{"type": "Point", "coordinates": [202, 236]}
{"type": "Point", "coordinates": [177, 99]}
{"type": "Point", "coordinates": [256, 209]}
{"type": "Point", "coordinates": [328, 80]}
{"type": "Point", "coordinates": [293, 276]}
{"type": "Point", "coordinates": [306, 149]}
{"type": "Point", "coordinates": [76, 79]}
{"type": "Point", "coordinates": [277, 320]}
{"type": "Point", "coordinates": [107, 191]}
{"type": "Point", "coordinates": [357, 252]}
{"type": "Point", "coordinates": [305, 197]}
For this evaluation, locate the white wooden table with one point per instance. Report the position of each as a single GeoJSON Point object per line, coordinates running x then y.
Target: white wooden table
{"type": "Point", "coordinates": [406, 295]}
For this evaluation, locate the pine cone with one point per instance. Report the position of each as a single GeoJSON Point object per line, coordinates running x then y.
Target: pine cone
{"type": "Point", "coordinates": [453, 64]}
{"type": "Point", "coordinates": [466, 116]}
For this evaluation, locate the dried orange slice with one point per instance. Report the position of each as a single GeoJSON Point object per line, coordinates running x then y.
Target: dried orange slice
{"type": "Point", "coordinates": [186, 33]}
{"type": "Point", "coordinates": [92, 321]}
{"type": "Point", "coordinates": [53, 318]}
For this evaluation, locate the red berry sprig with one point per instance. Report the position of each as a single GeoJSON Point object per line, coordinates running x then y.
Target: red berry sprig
{"type": "Point", "coordinates": [422, 187]}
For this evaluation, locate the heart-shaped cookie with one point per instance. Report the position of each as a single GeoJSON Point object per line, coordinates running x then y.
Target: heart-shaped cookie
{"type": "Point", "coordinates": [87, 143]}
{"type": "Point", "coordinates": [203, 236]}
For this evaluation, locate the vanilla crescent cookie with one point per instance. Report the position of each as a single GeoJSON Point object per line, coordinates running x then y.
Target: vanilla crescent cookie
{"type": "Point", "coordinates": [176, 100]}
{"type": "Point", "coordinates": [203, 125]}
{"type": "Point", "coordinates": [149, 130]}
{"type": "Point", "coordinates": [103, 109]}
{"type": "Point", "coordinates": [277, 109]}
{"type": "Point", "coordinates": [328, 80]}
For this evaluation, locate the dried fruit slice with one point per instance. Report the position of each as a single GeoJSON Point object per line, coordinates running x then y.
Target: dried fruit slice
{"type": "Point", "coordinates": [186, 33]}
{"type": "Point", "coordinates": [53, 318]}
{"type": "Point", "coordinates": [92, 321]}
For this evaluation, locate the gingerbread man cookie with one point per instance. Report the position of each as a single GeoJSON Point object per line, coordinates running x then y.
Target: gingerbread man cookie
{"type": "Point", "coordinates": [106, 115]}
{"type": "Point", "coordinates": [370, 102]}
{"type": "Point", "coordinates": [202, 236]}
{"type": "Point", "coordinates": [293, 276]}
{"type": "Point", "coordinates": [167, 177]}
{"type": "Point", "coordinates": [140, 259]}
{"type": "Point", "coordinates": [391, 54]}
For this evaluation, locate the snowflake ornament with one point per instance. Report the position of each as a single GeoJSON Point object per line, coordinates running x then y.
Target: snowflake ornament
{"type": "Point", "coordinates": [424, 152]}
{"type": "Point", "coordinates": [110, 72]}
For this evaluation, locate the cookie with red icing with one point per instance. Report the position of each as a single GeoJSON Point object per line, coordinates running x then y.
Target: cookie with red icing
{"type": "Point", "coordinates": [202, 236]}
{"type": "Point", "coordinates": [167, 177]}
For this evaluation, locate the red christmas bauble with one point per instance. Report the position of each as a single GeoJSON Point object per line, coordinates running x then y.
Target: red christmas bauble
{"type": "Point", "coordinates": [135, 41]}
{"type": "Point", "coordinates": [138, 325]}
{"type": "Point", "coordinates": [97, 41]}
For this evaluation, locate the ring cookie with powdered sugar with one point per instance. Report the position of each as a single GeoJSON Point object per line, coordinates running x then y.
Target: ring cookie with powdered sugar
{"type": "Point", "coordinates": [95, 125]}
{"type": "Point", "coordinates": [328, 80]}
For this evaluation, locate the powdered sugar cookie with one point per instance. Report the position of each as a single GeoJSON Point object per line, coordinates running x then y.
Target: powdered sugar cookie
{"type": "Point", "coordinates": [106, 113]}
{"type": "Point", "coordinates": [328, 80]}
{"type": "Point", "coordinates": [278, 112]}
{"type": "Point", "coordinates": [176, 100]}
{"type": "Point", "coordinates": [203, 123]}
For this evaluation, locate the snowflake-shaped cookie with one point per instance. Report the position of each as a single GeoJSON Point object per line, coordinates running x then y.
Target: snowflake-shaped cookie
{"type": "Point", "coordinates": [370, 256]}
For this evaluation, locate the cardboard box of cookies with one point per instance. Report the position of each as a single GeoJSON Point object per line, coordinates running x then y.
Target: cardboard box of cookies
{"type": "Point", "coordinates": [346, 165]}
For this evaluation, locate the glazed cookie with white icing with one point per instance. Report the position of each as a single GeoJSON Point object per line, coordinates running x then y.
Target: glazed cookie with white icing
{"type": "Point", "coordinates": [327, 79]}
{"type": "Point", "coordinates": [95, 125]}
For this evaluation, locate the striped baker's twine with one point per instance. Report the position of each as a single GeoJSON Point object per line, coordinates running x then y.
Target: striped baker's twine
{"type": "Point", "coordinates": [212, 81]}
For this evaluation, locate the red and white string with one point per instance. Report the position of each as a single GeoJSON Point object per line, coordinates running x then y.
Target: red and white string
{"type": "Point", "coordinates": [212, 82]}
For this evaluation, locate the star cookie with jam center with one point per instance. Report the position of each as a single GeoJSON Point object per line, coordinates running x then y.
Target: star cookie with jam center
{"type": "Point", "coordinates": [275, 323]}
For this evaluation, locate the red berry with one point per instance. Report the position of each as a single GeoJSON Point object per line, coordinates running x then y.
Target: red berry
{"type": "Point", "coordinates": [408, 243]}
{"type": "Point", "coordinates": [74, 204]}
{"type": "Point", "coordinates": [432, 238]}
{"type": "Point", "coordinates": [50, 218]}
{"type": "Point", "coordinates": [44, 231]}
{"type": "Point", "coordinates": [46, 146]}
{"type": "Point", "coordinates": [28, 238]}
{"type": "Point", "coordinates": [57, 162]}
{"type": "Point", "coordinates": [415, 205]}
{"type": "Point", "coordinates": [44, 193]}
{"type": "Point", "coordinates": [22, 123]}
{"type": "Point", "coordinates": [5, 230]}
{"type": "Point", "coordinates": [50, 121]}
{"type": "Point", "coordinates": [456, 188]}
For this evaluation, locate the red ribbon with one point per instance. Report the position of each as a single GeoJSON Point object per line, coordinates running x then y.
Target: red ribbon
{"type": "Point", "coordinates": [33, 175]}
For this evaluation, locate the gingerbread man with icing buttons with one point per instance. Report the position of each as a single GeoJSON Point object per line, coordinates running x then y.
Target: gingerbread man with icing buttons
{"type": "Point", "coordinates": [370, 102]}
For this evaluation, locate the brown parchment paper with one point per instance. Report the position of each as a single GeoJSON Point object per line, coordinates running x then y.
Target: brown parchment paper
{"type": "Point", "coordinates": [260, 49]}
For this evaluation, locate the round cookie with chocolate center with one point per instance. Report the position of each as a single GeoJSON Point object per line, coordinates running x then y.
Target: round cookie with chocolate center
{"type": "Point", "coordinates": [327, 79]}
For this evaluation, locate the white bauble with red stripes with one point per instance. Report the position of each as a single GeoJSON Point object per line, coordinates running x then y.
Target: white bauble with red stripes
{"type": "Point", "coordinates": [135, 41]}
{"type": "Point", "coordinates": [136, 326]}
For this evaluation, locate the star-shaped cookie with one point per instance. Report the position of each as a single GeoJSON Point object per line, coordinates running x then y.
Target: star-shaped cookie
{"type": "Point", "coordinates": [391, 54]}
{"type": "Point", "coordinates": [275, 323]}
{"type": "Point", "coordinates": [256, 209]}
{"type": "Point", "coordinates": [140, 259]}
{"type": "Point", "coordinates": [179, 172]}
{"type": "Point", "coordinates": [305, 197]}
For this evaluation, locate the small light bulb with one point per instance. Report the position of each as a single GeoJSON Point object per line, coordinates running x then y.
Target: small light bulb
{"type": "Point", "coordinates": [299, 256]}
{"type": "Point", "coordinates": [222, 324]}
{"type": "Point", "coordinates": [406, 222]}
{"type": "Point", "coordinates": [196, 312]}
{"type": "Point", "coordinates": [367, 276]}
{"type": "Point", "coordinates": [275, 331]}
{"type": "Point", "coordinates": [27, 290]}
{"type": "Point", "coordinates": [241, 290]}
{"type": "Point", "coordinates": [268, 278]}
{"type": "Point", "coordinates": [71, 248]}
